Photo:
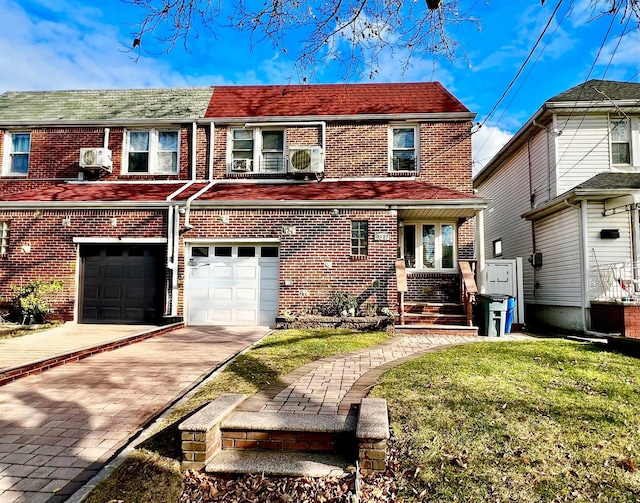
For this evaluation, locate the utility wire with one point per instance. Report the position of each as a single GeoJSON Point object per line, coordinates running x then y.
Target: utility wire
{"type": "Point", "coordinates": [523, 64]}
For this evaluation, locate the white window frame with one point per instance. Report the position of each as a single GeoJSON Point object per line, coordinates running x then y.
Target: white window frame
{"type": "Point", "coordinates": [7, 163]}
{"type": "Point", "coordinates": [614, 138]}
{"type": "Point", "coordinates": [416, 147]}
{"type": "Point", "coordinates": [154, 149]}
{"type": "Point", "coordinates": [258, 150]}
{"type": "Point", "coordinates": [419, 246]}
{"type": "Point", "coordinates": [5, 230]}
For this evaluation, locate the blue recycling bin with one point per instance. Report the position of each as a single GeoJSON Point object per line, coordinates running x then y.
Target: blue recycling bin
{"type": "Point", "coordinates": [508, 320]}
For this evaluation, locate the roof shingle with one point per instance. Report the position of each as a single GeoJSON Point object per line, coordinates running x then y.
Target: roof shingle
{"type": "Point", "coordinates": [332, 100]}
{"type": "Point", "coordinates": [104, 105]}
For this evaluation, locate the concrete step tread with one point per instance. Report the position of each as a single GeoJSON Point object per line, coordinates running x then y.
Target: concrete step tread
{"type": "Point", "coordinates": [278, 421]}
{"type": "Point", "coordinates": [434, 326]}
{"type": "Point", "coordinates": [289, 464]}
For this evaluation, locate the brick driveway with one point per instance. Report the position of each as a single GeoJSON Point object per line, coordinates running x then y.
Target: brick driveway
{"type": "Point", "coordinates": [58, 428]}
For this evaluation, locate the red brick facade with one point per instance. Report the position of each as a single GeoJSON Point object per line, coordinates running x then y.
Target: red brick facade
{"type": "Point", "coordinates": [314, 259]}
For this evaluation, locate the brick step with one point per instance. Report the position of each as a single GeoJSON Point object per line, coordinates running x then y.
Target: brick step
{"type": "Point", "coordinates": [432, 329]}
{"type": "Point", "coordinates": [433, 307]}
{"type": "Point", "coordinates": [276, 431]}
{"type": "Point", "coordinates": [280, 463]}
{"type": "Point", "coordinates": [434, 319]}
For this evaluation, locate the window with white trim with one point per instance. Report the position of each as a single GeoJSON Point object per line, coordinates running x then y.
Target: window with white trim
{"type": "Point", "coordinates": [429, 246]}
{"type": "Point", "coordinates": [359, 238]}
{"type": "Point", "coordinates": [18, 147]}
{"type": "Point", "coordinates": [152, 151]}
{"type": "Point", "coordinates": [4, 238]}
{"type": "Point", "coordinates": [620, 141]}
{"type": "Point", "coordinates": [256, 150]}
{"type": "Point", "coordinates": [403, 148]}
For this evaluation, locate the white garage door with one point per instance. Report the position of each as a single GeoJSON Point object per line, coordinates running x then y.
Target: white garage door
{"type": "Point", "coordinates": [232, 284]}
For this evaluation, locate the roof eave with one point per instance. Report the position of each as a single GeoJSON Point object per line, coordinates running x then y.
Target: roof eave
{"type": "Point", "coordinates": [98, 122]}
{"type": "Point", "coordinates": [435, 117]}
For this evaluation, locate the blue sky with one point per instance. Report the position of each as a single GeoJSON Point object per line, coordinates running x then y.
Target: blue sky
{"type": "Point", "coordinates": [69, 44]}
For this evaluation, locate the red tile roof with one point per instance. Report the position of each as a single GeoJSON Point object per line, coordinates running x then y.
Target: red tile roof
{"type": "Point", "coordinates": [360, 190]}
{"type": "Point", "coordinates": [332, 100]}
{"type": "Point", "coordinates": [104, 192]}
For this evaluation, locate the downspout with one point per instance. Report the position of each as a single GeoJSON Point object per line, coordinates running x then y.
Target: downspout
{"type": "Point", "coordinates": [212, 137]}
{"type": "Point", "coordinates": [584, 259]}
{"type": "Point", "coordinates": [480, 273]}
{"type": "Point", "coordinates": [187, 223]}
{"type": "Point", "coordinates": [106, 137]}
{"type": "Point", "coordinates": [194, 150]}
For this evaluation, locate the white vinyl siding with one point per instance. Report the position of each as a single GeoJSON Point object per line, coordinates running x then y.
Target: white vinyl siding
{"type": "Point", "coordinates": [604, 252]}
{"type": "Point", "coordinates": [558, 239]}
{"type": "Point", "coordinates": [508, 189]}
{"type": "Point", "coordinates": [583, 149]}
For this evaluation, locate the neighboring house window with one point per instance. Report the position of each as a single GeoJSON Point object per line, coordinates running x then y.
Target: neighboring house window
{"type": "Point", "coordinates": [429, 246]}
{"type": "Point", "coordinates": [497, 248]}
{"type": "Point", "coordinates": [18, 145]}
{"type": "Point", "coordinates": [403, 150]}
{"type": "Point", "coordinates": [4, 238]}
{"type": "Point", "coordinates": [256, 150]}
{"type": "Point", "coordinates": [620, 150]}
{"type": "Point", "coordinates": [152, 151]}
{"type": "Point", "coordinates": [359, 237]}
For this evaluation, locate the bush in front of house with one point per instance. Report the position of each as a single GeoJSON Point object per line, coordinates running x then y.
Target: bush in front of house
{"type": "Point", "coordinates": [30, 302]}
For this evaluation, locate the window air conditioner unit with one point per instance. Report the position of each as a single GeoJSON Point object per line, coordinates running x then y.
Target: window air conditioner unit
{"type": "Point", "coordinates": [96, 158]}
{"type": "Point", "coordinates": [241, 165]}
{"type": "Point", "coordinates": [306, 160]}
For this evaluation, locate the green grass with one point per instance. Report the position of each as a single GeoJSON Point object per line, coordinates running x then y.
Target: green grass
{"type": "Point", "coordinates": [277, 355]}
{"type": "Point", "coordinates": [519, 421]}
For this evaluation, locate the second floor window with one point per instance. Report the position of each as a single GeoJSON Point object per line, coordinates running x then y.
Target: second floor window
{"type": "Point", "coordinates": [403, 149]}
{"type": "Point", "coordinates": [152, 151]}
{"type": "Point", "coordinates": [256, 151]}
{"type": "Point", "coordinates": [620, 151]}
{"type": "Point", "coordinates": [19, 146]}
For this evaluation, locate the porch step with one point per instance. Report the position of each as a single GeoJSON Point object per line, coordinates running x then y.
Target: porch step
{"type": "Point", "coordinates": [433, 307]}
{"type": "Point", "coordinates": [434, 329]}
{"type": "Point", "coordinates": [434, 318]}
{"type": "Point", "coordinates": [283, 463]}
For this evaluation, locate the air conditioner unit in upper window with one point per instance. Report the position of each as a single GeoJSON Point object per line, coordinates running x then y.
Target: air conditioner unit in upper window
{"type": "Point", "coordinates": [241, 165]}
{"type": "Point", "coordinates": [96, 158]}
{"type": "Point", "coordinates": [306, 160]}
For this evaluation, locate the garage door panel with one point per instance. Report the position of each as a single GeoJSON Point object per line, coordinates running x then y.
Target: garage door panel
{"type": "Point", "coordinates": [221, 294]}
{"type": "Point", "coordinates": [241, 290]}
{"type": "Point", "coordinates": [112, 292]}
{"type": "Point", "coordinates": [113, 271]}
{"type": "Point", "coordinates": [120, 283]}
{"type": "Point", "coordinates": [222, 272]}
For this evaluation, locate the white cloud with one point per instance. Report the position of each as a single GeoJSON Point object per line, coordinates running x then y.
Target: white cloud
{"type": "Point", "coordinates": [71, 50]}
{"type": "Point", "coordinates": [486, 143]}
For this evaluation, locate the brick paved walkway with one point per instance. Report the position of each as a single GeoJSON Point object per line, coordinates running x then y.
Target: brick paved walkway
{"type": "Point", "coordinates": [58, 428]}
{"type": "Point", "coordinates": [331, 385]}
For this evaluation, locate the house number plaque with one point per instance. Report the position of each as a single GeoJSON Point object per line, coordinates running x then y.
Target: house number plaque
{"type": "Point", "coordinates": [382, 236]}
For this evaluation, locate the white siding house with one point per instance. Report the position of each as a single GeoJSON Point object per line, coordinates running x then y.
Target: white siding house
{"type": "Point", "coordinates": [565, 193]}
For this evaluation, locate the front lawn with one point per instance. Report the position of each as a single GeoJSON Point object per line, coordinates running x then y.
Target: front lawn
{"type": "Point", "coordinates": [540, 421]}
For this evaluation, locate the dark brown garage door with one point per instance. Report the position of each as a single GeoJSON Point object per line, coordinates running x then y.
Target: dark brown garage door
{"type": "Point", "coordinates": [121, 284]}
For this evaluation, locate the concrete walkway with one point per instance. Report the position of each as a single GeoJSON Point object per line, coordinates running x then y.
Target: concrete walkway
{"type": "Point", "coordinates": [59, 427]}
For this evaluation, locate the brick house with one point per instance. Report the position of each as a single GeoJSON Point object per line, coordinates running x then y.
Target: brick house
{"type": "Point", "coordinates": [233, 204]}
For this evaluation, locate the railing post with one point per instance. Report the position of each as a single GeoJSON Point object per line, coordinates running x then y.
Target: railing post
{"type": "Point", "coordinates": [401, 284]}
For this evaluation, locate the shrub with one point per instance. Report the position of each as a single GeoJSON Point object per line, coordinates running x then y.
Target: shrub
{"type": "Point", "coordinates": [342, 303]}
{"type": "Point", "coordinates": [31, 300]}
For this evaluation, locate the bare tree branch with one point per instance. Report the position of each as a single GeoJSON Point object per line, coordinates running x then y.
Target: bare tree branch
{"type": "Point", "coordinates": [352, 33]}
